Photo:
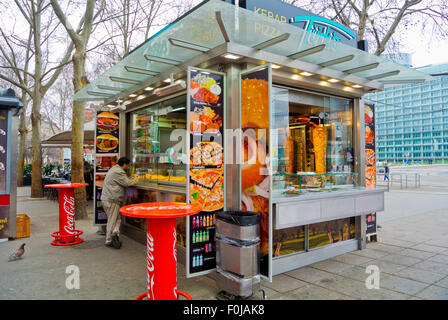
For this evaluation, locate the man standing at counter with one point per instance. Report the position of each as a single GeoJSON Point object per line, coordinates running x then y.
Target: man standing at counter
{"type": "Point", "coordinates": [112, 199]}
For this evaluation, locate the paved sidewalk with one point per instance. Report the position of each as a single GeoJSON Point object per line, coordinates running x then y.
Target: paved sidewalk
{"type": "Point", "coordinates": [412, 255]}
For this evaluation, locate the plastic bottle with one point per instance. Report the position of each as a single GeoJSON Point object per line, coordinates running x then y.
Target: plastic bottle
{"type": "Point", "coordinates": [200, 222]}
{"type": "Point", "coordinates": [201, 262]}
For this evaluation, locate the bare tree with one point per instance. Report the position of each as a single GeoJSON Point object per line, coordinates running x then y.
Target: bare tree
{"type": "Point", "coordinates": [80, 41]}
{"type": "Point", "coordinates": [44, 73]}
{"type": "Point", "coordinates": [10, 59]}
{"type": "Point", "coordinates": [383, 22]}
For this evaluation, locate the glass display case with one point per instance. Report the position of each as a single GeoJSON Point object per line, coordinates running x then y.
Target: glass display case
{"type": "Point", "coordinates": [295, 184]}
{"type": "Point", "coordinates": [311, 142]}
{"type": "Point", "coordinates": [158, 143]}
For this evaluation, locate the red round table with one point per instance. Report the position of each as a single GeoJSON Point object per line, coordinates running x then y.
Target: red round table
{"type": "Point", "coordinates": [67, 235]}
{"type": "Point", "coordinates": [161, 255]}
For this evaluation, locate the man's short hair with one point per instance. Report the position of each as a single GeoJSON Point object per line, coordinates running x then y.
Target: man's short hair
{"type": "Point", "coordinates": [122, 161]}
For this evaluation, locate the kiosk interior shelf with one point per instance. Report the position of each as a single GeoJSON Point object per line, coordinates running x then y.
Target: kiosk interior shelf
{"type": "Point", "coordinates": [157, 144]}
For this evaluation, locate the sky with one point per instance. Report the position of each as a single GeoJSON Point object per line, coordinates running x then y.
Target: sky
{"type": "Point", "coordinates": [426, 52]}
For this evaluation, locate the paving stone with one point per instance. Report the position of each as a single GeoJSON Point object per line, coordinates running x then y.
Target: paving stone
{"type": "Point", "coordinates": [370, 253]}
{"type": "Point", "coordinates": [355, 273]}
{"type": "Point", "coordinates": [385, 266]}
{"type": "Point", "coordinates": [309, 274]}
{"type": "Point", "coordinates": [331, 266]}
{"type": "Point", "coordinates": [419, 275]}
{"type": "Point", "coordinates": [432, 266]}
{"type": "Point", "coordinates": [384, 247]}
{"type": "Point", "coordinates": [402, 285]}
{"type": "Point", "coordinates": [429, 248]}
{"type": "Point", "coordinates": [442, 283]}
{"type": "Point", "coordinates": [434, 293]}
{"type": "Point", "coordinates": [352, 259]}
{"type": "Point", "coordinates": [417, 253]}
{"type": "Point", "coordinates": [399, 259]}
{"type": "Point", "coordinates": [314, 292]}
{"type": "Point", "coordinates": [441, 258]}
{"type": "Point", "coordinates": [284, 283]}
{"type": "Point", "coordinates": [359, 290]}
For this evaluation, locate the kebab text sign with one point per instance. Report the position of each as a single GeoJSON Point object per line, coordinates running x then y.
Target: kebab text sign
{"type": "Point", "coordinates": [107, 148]}
{"type": "Point", "coordinates": [369, 119]}
{"type": "Point", "coordinates": [206, 167]}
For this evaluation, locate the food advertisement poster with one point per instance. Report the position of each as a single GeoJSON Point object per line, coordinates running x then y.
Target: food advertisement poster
{"type": "Point", "coordinates": [3, 147]}
{"type": "Point", "coordinates": [206, 165]}
{"type": "Point", "coordinates": [106, 149]}
{"type": "Point", "coordinates": [255, 151]}
{"type": "Point", "coordinates": [369, 119]}
{"type": "Point", "coordinates": [4, 225]}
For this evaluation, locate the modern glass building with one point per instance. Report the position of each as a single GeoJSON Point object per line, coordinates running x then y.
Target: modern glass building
{"type": "Point", "coordinates": [412, 120]}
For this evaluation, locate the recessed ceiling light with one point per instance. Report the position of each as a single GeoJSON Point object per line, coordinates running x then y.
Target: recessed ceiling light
{"type": "Point", "coordinates": [274, 66]}
{"type": "Point", "coordinates": [296, 77]}
{"type": "Point", "coordinates": [347, 88]}
{"type": "Point", "coordinates": [357, 86]}
{"type": "Point", "coordinates": [149, 88]}
{"type": "Point", "coordinates": [323, 83]}
{"type": "Point", "coordinates": [231, 56]}
{"type": "Point", "coordinates": [167, 80]}
{"type": "Point", "coordinates": [306, 73]}
{"type": "Point", "coordinates": [132, 95]}
{"type": "Point", "coordinates": [333, 80]}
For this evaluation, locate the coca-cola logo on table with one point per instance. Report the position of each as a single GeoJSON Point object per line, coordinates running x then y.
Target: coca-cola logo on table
{"type": "Point", "coordinates": [150, 264]}
{"type": "Point", "coordinates": [69, 209]}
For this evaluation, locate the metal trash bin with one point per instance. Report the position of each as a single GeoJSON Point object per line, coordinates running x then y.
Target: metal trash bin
{"type": "Point", "coordinates": [237, 252]}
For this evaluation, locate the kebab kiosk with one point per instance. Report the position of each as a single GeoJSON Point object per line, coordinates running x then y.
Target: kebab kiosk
{"type": "Point", "coordinates": [234, 110]}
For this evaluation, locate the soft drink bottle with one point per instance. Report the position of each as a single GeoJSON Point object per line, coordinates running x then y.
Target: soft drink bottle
{"type": "Point", "coordinates": [194, 236]}
{"type": "Point", "coordinates": [194, 222]}
{"type": "Point", "coordinates": [200, 222]}
{"type": "Point", "coordinates": [201, 262]}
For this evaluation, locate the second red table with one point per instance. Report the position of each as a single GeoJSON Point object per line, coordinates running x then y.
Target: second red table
{"type": "Point", "coordinates": [161, 243]}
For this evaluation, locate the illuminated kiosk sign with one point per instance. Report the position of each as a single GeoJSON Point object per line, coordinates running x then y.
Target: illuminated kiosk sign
{"type": "Point", "coordinates": [284, 12]}
{"type": "Point", "coordinates": [324, 27]}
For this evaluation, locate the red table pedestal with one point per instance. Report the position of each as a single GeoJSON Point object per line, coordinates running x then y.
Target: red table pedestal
{"type": "Point", "coordinates": [67, 234]}
{"type": "Point", "coordinates": [161, 254]}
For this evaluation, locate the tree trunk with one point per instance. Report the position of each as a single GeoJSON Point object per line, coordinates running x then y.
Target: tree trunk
{"type": "Point", "coordinates": [36, 173]}
{"type": "Point", "coordinates": [77, 167]}
{"type": "Point", "coordinates": [22, 142]}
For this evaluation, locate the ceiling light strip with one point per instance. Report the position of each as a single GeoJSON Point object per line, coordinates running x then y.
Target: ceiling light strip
{"type": "Point", "coordinates": [337, 61]}
{"type": "Point", "coordinates": [307, 52]}
{"type": "Point", "coordinates": [272, 42]}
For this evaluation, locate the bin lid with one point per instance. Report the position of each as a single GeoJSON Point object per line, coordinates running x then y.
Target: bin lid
{"type": "Point", "coordinates": [241, 218]}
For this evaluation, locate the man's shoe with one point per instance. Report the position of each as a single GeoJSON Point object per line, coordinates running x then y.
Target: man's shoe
{"type": "Point", "coordinates": [108, 245]}
{"type": "Point", "coordinates": [116, 242]}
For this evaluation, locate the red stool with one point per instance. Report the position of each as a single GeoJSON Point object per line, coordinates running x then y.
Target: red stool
{"type": "Point", "coordinates": [67, 234]}
{"type": "Point", "coordinates": [161, 255]}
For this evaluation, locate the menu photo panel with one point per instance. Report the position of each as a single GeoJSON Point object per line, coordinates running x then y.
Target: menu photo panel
{"type": "Point", "coordinates": [255, 178]}
{"type": "Point", "coordinates": [205, 167]}
{"type": "Point", "coordinates": [106, 156]}
{"type": "Point", "coordinates": [369, 120]}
